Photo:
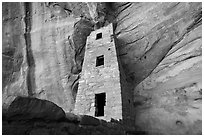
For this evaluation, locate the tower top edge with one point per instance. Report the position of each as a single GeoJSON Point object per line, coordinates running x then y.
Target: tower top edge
{"type": "Point", "coordinates": [106, 30]}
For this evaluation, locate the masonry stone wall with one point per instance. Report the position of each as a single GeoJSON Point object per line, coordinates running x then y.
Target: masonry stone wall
{"type": "Point", "coordinates": [102, 79]}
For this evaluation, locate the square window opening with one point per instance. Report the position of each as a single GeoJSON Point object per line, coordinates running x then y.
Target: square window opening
{"type": "Point", "coordinates": [100, 102]}
{"type": "Point", "coordinates": [98, 36]}
{"type": "Point", "coordinates": [100, 60]}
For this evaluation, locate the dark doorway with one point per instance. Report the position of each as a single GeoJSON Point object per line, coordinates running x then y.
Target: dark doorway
{"type": "Point", "coordinates": [98, 36]}
{"type": "Point", "coordinates": [99, 60]}
{"type": "Point", "coordinates": [100, 101]}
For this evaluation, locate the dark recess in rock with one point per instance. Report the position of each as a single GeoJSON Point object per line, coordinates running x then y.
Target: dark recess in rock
{"type": "Point", "coordinates": [178, 122]}
{"type": "Point", "coordinates": [81, 30]}
{"type": "Point", "coordinates": [29, 54]}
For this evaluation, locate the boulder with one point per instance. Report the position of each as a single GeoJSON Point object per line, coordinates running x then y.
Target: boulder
{"type": "Point", "coordinates": [26, 108]}
{"type": "Point", "coordinates": [72, 118]}
{"type": "Point", "coordinates": [89, 120]}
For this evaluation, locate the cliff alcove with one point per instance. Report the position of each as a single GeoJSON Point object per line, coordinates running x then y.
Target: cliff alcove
{"type": "Point", "coordinates": [160, 48]}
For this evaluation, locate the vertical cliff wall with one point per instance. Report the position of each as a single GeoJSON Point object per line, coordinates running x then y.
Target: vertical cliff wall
{"type": "Point", "coordinates": [42, 51]}
{"type": "Point", "coordinates": [160, 49]}
{"type": "Point", "coordinates": [14, 63]}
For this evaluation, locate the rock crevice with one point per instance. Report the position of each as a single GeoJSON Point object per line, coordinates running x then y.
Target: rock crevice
{"type": "Point", "coordinates": [29, 54]}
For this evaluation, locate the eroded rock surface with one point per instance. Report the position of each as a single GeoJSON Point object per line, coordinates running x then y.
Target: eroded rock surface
{"type": "Point", "coordinates": [46, 57]}
{"type": "Point", "coordinates": [159, 46]}
{"type": "Point", "coordinates": [14, 64]}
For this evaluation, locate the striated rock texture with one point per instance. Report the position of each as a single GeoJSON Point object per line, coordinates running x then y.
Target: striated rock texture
{"type": "Point", "coordinates": [159, 47]}
{"type": "Point", "coordinates": [42, 51]}
{"type": "Point", "coordinates": [14, 64]}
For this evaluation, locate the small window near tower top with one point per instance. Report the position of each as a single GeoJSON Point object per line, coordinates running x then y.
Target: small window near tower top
{"type": "Point", "coordinates": [100, 60]}
{"type": "Point", "coordinates": [98, 36]}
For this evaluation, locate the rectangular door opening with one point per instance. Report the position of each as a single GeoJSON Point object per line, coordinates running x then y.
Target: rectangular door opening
{"type": "Point", "coordinates": [100, 101]}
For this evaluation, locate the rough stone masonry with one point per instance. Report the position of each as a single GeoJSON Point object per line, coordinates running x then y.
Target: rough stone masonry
{"type": "Point", "coordinates": [101, 91]}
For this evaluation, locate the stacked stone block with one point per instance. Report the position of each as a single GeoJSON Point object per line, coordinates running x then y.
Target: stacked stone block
{"type": "Point", "coordinates": [102, 79]}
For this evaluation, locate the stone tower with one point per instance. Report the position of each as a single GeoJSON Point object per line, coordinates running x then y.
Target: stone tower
{"type": "Point", "coordinates": [103, 92]}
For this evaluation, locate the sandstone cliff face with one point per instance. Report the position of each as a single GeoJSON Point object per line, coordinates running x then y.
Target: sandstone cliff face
{"type": "Point", "coordinates": [159, 47]}
{"type": "Point", "coordinates": [43, 43]}
{"type": "Point", "coordinates": [14, 64]}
